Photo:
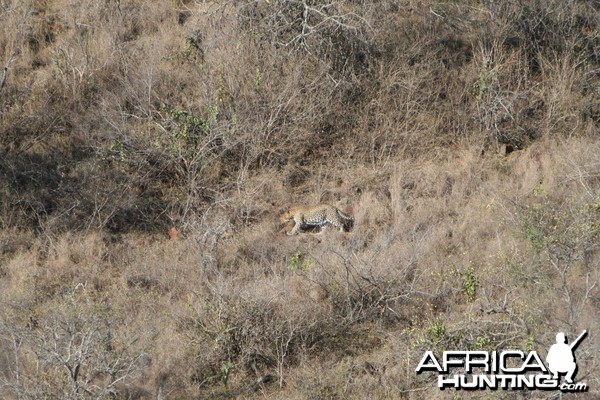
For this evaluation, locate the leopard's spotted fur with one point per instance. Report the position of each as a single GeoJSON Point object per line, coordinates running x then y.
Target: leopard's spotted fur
{"type": "Point", "coordinates": [318, 215]}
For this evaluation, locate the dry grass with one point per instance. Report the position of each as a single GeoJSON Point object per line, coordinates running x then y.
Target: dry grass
{"type": "Point", "coordinates": [462, 137]}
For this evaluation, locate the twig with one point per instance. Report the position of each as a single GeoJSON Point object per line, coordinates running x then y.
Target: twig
{"type": "Point", "coordinates": [5, 69]}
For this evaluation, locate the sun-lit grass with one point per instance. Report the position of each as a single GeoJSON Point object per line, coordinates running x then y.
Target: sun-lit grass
{"type": "Point", "coordinates": [147, 149]}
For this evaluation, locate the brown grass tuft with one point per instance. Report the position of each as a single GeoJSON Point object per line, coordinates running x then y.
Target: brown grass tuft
{"type": "Point", "coordinates": [461, 136]}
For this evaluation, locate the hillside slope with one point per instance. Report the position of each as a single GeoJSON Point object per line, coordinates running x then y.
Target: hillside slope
{"type": "Point", "coordinates": [462, 136]}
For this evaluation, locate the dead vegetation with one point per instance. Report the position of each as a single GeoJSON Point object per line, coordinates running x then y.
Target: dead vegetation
{"type": "Point", "coordinates": [147, 148]}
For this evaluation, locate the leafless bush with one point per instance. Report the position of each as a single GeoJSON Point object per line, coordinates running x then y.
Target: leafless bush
{"type": "Point", "coordinates": [68, 350]}
{"type": "Point", "coordinates": [120, 120]}
{"type": "Point", "coordinates": [253, 335]}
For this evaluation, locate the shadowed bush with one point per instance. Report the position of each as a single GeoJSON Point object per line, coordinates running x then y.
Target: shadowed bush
{"type": "Point", "coordinates": [146, 149]}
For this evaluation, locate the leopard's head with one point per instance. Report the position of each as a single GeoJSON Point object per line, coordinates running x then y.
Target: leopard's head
{"type": "Point", "coordinates": [289, 213]}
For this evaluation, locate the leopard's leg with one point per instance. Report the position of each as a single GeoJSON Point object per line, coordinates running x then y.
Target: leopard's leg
{"type": "Point", "coordinates": [346, 221]}
{"type": "Point", "coordinates": [298, 224]}
{"type": "Point", "coordinates": [335, 222]}
{"type": "Point", "coordinates": [321, 229]}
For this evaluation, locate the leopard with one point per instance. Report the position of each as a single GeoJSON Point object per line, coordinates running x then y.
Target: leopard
{"type": "Point", "coordinates": [319, 215]}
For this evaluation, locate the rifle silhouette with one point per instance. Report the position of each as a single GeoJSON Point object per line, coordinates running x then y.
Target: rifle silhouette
{"type": "Point", "coordinates": [576, 341]}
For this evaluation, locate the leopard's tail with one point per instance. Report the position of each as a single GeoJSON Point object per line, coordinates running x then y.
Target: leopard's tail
{"type": "Point", "coordinates": [348, 220]}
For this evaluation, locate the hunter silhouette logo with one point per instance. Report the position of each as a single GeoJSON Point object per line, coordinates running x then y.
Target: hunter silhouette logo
{"type": "Point", "coordinates": [560, 356]}
{"type": "Point", "coordinates": [509, 369]}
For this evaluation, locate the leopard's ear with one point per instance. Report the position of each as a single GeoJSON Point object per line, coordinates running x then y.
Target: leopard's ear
{"type": "Point", "coordinates": [288, 207]}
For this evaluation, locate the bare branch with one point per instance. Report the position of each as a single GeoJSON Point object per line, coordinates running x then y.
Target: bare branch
{"type": "Point", "coordinates": [5, 68]}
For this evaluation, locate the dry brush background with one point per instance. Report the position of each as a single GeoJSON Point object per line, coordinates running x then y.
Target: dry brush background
{"type": "Point", "coordinates": [461, 135]}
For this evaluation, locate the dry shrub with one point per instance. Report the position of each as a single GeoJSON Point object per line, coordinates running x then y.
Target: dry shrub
{"type": "Point", "coordinates": [460, 136]}
{"type": "Point", "coordinates": [166, 108]}
{"type": "Point", "coordinates": [61, 328]}
{"type": "Point", "coordinates": [253, 334]}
